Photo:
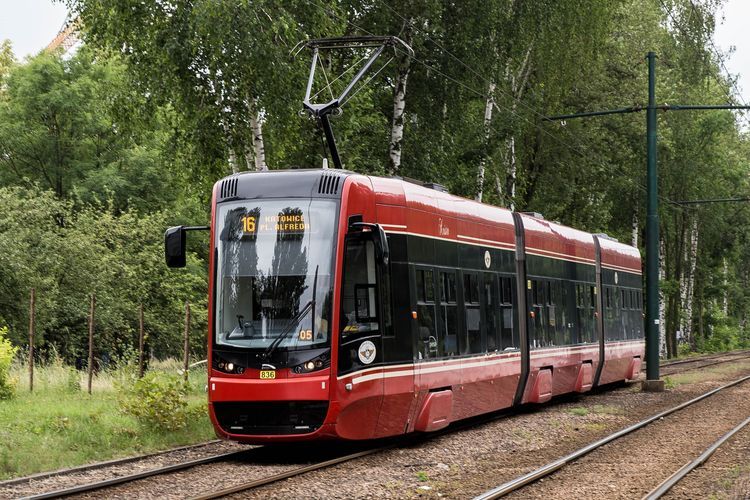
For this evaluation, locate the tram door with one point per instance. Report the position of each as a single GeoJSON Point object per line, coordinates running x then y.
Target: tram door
{"type": "Point", "coordinates": [425, 331]}
{"type": "Point", "coordinates": [361, 343]}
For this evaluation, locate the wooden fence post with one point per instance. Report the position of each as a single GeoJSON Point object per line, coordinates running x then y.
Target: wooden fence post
{"type": "Point", "coordinates": [32, 321]}
{"type": "Point", "coordinates": [91, 339]}
{"type": "Point", "coordinates": [140, 341]}
{"type": "Point", "coordinates": [186, 359]}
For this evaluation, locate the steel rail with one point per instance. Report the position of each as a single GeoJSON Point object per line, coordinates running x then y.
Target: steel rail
{"type": "Point", "coordinates": [285, 475]}
{"type": "Point", "coordinates": [545, 470]}
{"type": "Point", "coordinates": [675, 478]}
{"type": "Point", "coordinates": [459, 426]}
{"type": "Point", "coordinates": [132, 477]}
{"type": "Point", "coordinates": [704, 358]}
{"type": "Point", "coordinates": [681, 369]}
{"type": "Point", "coordinates": [479, 420]}
{"type": "Point", "coordinates": [101, 465]}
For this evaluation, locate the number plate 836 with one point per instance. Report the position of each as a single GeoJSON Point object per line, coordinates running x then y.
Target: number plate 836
{"type": "Point", "coordinates": [267, 374]}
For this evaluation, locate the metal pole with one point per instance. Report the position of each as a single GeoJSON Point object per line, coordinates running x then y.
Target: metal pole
{"type": "Point", "coordinates": [652, 236]}
{"type": "Point", "coordinates": [91, 339]}
{"type": "Point", "coordinates": [140, 341]}
{"type": "Point", "coordinates": [331, 141]}
{"type": "Point", "coordinates": [32, 320]}
{"type": "Point", "coordinates": [186, 338]}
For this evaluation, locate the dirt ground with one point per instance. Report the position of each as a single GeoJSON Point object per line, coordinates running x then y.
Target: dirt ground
{"type": "Point", "coordinates": [469, 461]}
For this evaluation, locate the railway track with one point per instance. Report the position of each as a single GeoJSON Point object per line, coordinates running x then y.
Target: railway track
{"type": "Point", "coordinates": [250, 457]}
{"type": "Point", "coordinates": [249, 454]}
{"type": "Point", "coordinates": [547, 469]}
{"type": "Point", "coordinates": [285, 475]}
{"type": "Point", "coordinates": [681, 473]}
{"type": "Point", "coordinates": [100, 465]}
{"type": "Point", "coordinates": [100, 485]}
{"type": "Point", "coordinates": [705, 361]}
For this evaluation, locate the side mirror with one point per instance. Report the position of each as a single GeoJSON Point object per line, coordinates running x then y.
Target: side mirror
{"type": "Point", "coordinates": [385, 250]}
{"type": "Point", "coordinates": [382, 250]}
{"type": "Point", "coordinates": [174, 246]}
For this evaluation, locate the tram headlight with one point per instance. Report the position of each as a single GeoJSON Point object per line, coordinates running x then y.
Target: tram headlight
{"type": "Point", "coordinates": [227, 366]}
{"type": "Point", "coordinates": [312, 365]}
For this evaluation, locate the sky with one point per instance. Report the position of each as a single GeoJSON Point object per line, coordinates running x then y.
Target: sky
{"type": "Point", "coordinates": [32, 24]}
{"type": "Point", "coordinates": [731, 32]}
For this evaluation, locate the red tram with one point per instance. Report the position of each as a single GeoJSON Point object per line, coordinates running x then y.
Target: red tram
{"type": "Point", "coordinates": [355, 307]}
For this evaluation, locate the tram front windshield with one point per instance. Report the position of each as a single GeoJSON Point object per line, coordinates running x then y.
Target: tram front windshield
{"type": "Point", "coordinates": [274, 272]}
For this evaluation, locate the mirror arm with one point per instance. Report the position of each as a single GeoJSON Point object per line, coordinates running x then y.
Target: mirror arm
{"type": "Point", "coordinates": [174, 244]}
{"type": "Point", "coordinates": [385, 251]}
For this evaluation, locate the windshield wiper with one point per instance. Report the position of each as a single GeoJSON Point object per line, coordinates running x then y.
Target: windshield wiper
{"type": "Point", "coordinates": [294, 321]}
{"type": "Point", "coordinates": [289, 327]}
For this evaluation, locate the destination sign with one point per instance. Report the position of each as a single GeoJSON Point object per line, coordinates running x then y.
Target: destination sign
{"type": "Point", "coordinates": [282, 223]}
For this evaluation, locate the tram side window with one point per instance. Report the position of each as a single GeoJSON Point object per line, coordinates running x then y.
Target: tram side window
{"type": "Point", "coordinates": [508, 336]}
{"type": "Point", "coordinates": [639, 314]}
{"type": "Point", "coordinates": [359, 295]}
{"type": "Point", "coordinates": [556, 321]}
{"type": "Point", "coordinates": [491, 312]}
{"type": "Point", "coordinates": [539, 305]}
{"type": "Point", "coordinates": [387, 304]}
{"type": "Point", "coordinates": [448, 309]}
{"type": "Point", "coordinates": [626, 316]}
{"type": "Point", "coordinates": [607, 299]}
{"type": "Point", "coordinates": [585, 304]}
{"type": "Point", "coordinates": [473, 341]}
{"type": "Point", "coordinates": [551, 320]}
{"type": "Point", "coordinates": [427, 341]}
{"type": "Point", "coordinates": [617, 322]}
{"type": "Point", "coordinates": [612, 324]}
{"type": "Point", "coordinates": [563, 334]}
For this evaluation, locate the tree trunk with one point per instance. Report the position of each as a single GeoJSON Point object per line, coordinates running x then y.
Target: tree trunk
{"type": "Point", "coordinates": [725, 301]}
{"type": "Point", "coordinates": [233, 161]}
{"type": "Point", "coordinates": [498, 186]}
{"type": "Point", "coordinates": [488, 106]}
{"type": "Point", "coordinates": [687, 307]}
{"type": "Point", "coordinates": [517, 87]}
{"type": "Point", "coordinates": [662, 325]}
{"type": "Point", "coordinates": [512, 173]}
{"type": "Point", "coordinates": [259, 149]}
{"type": "Point", "coordinates": [635, 232]}
{"type": "Point", "coordinates": [700, 315]}
{"type": "Point", "coordinates": [399, 105]}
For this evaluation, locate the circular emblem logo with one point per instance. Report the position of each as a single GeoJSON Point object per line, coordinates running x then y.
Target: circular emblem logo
{"type": "Point", "coordinates": [487, 259]}
{"type": "Point", "coordinates": [615, 277]}
{"type": "Point", "coordinates": [366, 352]}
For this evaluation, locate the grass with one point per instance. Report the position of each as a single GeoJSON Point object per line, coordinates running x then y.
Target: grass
{"type": "Point", "coordinates": [580, 412]}
{"type": "Point", "coordinates": [607, 410]}
{"type": "Point", "coordinates": [595, 426]}
{"type": "Point", "coordinates": [59, 426]}
{"type": "Point", "coordinates": [695, 376]}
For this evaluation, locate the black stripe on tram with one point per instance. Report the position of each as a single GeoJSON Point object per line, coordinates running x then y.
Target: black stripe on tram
{"type": "Point", "coordinates": [523, 314]}
{"type": "Point", "coordinates": [599, 311]}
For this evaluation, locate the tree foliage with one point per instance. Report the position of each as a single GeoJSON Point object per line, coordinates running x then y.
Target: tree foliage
{"type": "Point", "coordinates": [108, 147]}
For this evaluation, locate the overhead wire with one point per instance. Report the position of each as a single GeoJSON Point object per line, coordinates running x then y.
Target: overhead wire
{"type": "Point", "coordinates": [670, 14]}
{"type": "Point", "coordinates": [724, 85]}
{"type": "Point", "coordinates": [469, 88]}
{"type": "Point", "coordinates": [518, 101]}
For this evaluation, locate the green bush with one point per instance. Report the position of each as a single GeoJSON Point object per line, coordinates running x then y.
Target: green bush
{"type": "Point", "coordinates": [158, 401]}
{"type": "Point", "coordinates": [7, 352]}
{"type": "Point", "coordinates": [73, 380]}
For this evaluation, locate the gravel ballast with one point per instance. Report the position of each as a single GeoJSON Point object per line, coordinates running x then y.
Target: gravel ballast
{"type": "Point", "coordinates": [467, 462]}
